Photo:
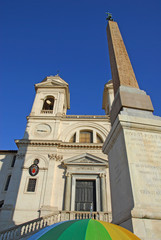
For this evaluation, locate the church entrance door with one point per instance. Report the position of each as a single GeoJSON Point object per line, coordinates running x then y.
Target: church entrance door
{"type": "Point", "coordinates": [85, 195]}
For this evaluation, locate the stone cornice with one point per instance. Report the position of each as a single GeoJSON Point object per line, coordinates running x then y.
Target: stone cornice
{"type": "Point", "coordinates": [152, 124]}
{"type": "Point", "coordinates": [72, 117]}
{"type": "Point", "coordinates": [58, 144]}
{"type": "Point", "coordinates": [8, 151]}
{"type": "Point", "coordinates": [82, 145]}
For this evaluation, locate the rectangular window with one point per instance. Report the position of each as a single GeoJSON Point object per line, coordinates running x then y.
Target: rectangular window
{"type": "Point", "coordinates": [13, 161]}
{"type": "Point", "coordinates": [31, 185]}
{"type": "Point", "coordinates": [86, 137]}
{"type": "Point", "coordinates": [1, 203]}
{"type": "Point", "coordinates": [7, 183]}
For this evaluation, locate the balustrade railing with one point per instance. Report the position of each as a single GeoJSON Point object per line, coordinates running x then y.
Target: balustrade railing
{"type": "Point", "coordinates": [70, 215]}
{"type": "Point", "coordinates": [24, 230]}
{"type": "Point", "coordinates": [46, 111]}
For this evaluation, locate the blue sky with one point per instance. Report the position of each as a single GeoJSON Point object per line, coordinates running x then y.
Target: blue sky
{"type": "Point", "coordinates": [39, 38]}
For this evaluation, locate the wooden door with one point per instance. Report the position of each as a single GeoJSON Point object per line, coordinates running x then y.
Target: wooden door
{"type": "Point", "coordinates": [85, 195]}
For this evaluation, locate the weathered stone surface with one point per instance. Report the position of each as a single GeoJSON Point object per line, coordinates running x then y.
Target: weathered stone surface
{"type": "Point", "coordinates": [121, 68]}
{"type": "Point", "coordinates": [134, 151]}
{"type": "Point", "coordinates": [128, 97]}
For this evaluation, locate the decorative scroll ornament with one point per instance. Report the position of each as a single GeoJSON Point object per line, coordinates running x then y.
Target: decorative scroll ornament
{"type": "Point", "coordinates": [55, 157]}
{"type": "Point", "coordinates": [102, 175]}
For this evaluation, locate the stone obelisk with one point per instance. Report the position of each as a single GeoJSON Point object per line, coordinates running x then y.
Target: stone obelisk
{"type": "Point", "coordinates": [126, 88]}
{"type": "Point", "coordinates": [133, 147]}
{"type": "Point", "coordinates": [121, 68]}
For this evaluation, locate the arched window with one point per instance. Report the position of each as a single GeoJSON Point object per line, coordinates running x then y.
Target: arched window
{"type": "Point", "coordinates": [48, 103]}
{"type": "Point", "coordinates": [86, 137]}
{"type": "Point", "coordinates": [99, 139]}
{"type": "Point", "coordinates": [73, 138]}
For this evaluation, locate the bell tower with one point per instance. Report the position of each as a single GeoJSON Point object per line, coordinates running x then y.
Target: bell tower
{"type": "Point", "coordinates": [52, 97]}
{"type": "Point", "coordinates": [39, 146]}
{"type": "Point", "coordinates": [51, 103]}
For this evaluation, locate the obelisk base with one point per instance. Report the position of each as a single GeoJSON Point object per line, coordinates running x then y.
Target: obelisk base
{"type": "Point", "coordinates": [133, 147]}
{"type": "Point", "coordinates": [131, 100]}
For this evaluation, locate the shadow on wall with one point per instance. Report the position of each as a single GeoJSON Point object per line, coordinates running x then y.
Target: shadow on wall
{"type": "Point", "coordinates": [6, 209]}
{"type": "Point", "coordinates": [11, 173]}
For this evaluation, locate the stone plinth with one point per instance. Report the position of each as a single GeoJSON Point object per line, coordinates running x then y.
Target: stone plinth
{"type": "Point", "coordinates": [130, 98]}
{"type": "Point", "coordinates": [134, 152]}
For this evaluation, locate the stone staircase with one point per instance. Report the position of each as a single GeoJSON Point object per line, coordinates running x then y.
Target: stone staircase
{"type": "Point", "coordinates": [25, 230]}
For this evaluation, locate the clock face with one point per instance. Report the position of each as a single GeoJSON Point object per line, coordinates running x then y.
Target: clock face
{"type": "Point", "coordinates": [42, 130]}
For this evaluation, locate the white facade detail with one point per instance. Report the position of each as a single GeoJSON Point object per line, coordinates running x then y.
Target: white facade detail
{"type": "Point", "coordinates": [62, 159]}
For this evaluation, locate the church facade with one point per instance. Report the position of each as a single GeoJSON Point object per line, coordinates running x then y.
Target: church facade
{"type": "Point", "coordinates": [59, 165]}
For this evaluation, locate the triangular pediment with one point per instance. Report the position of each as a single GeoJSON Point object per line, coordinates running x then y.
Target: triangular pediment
{"type": "Point", "coordinates": [52, 81]}
{"type": "Point", "coordinates": [85, 159]}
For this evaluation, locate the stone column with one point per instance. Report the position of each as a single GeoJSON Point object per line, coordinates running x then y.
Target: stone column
{"type": "Point", "coordinates": [103, 192]}
{"type": "Point", "coordinates": [67, 192]}
{"type": "Point", "coordinates": [46, 207]}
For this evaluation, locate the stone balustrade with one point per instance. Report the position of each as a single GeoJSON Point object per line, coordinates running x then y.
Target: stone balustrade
{"type": "Point", "coordinates": [47, 111]}
{"type": "Point", "coordinates": [28, 228]}
{"type": "Point", "coordinates": [70, 215]}
{"type": "Point", "coordinates": [23, 231]}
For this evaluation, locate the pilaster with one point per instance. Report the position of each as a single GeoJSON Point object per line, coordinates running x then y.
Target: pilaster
{"type": "Point", "coordinates": [67, 192]}
{"type": "Point", "coordinates": [103, 192]}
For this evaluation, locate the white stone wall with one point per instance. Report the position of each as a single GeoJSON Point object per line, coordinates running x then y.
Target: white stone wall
{"type": "Point", "coordinates": [47, 138]}
{"type": "Point", "coordinates": [51, 178]}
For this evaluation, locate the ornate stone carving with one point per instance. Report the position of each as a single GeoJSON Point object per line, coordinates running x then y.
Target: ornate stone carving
{"type": "Point", "coordinates": [55, 157]}
{"type": "Point", "coordinates": [59, 144]}
{"type": "Point", "coordinates": [102, 175]}
{"type": "Point", "coordinates": [68, 174]}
